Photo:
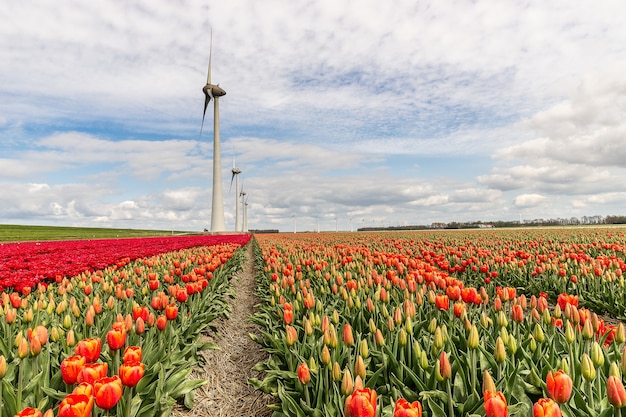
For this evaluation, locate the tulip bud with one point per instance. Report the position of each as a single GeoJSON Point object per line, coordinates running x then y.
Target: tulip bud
{"type": "Point", "coordinates": [312, 365]}
{"type": "Point", "coordinates": [512, 345]}
{"type": "Point", "coordinates": [359, 367]}
{"type": "Point", "coordinates": [587, 368]}
{"type": "Point", "coordinates": [545, 316]}
{"type": "Point", "coordinates": [336, 372]}
{"type": "Point", "coordinates": [372, 326]}
{"type": "Point", "coordinates": [485, 320]}
{"type": "Point", "coordinates": [565, 364]}
{"type": "Point", "coordinates": [363, 349]}
{"type": "Point", "coordinates": [402, 338]}
{"type": "Point", "coordinates": [597, 355]}
{"type": "Point", "coordinates": [424, 364]}
{"type": "Point", "coordinates": [432, 326]}
{"type": "Point", "coordinates": [488, 384]}
{"type": "Point", "coordinates": [500, 352]}
{"type": "Point", "coordinates": [67, 321]}
{"type": "Point", "coordinates": [614, 370]}
{"type": "Point", "coordinates": [348, 337]}
{"type": "Point", "coordinates": [444, 366]}
{"type": "Point", "coordinates": [532, 344]}
{"type": "Point", "coordinates": [347, 384]}
{"type": "Point", "coordinates": [620, 335]}
{"type": "Point", "coordinates": [504, 334]}
{"type": "Point", "coordinates": [587, 330]}
{"type": "Point", "coordinates": [615, 392]}
{"type": "Point", "coordinates": [325, 356]}
{"type": "Point", "coordinates": [35, 346]}
{"type": "Point", "coordinates": [380, 340]}
{"type": "Point", "coordinates": [69, 339]}
{"type": "Point", "coordinates": [570, 336]}
{"type": "Point", "coordinates": [473, 338]}
{"type": "Point", "coordinates": [438, 340]}
{"type": "Point", "coordinates": [538, 333]}
{"type": "Point", "coordinates": [22, 348]}
{"type": "Point", "coordinates": [3, 366]}
{"type": "Point", "coordinates": [501, 319]}
{"type": "Point", "coordinates": [408, 324]}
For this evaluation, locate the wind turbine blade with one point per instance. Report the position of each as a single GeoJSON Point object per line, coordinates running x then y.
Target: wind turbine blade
{"type": "Point", "coordinates": [208, 95]}
{"type": "Point", "coordinates": [208, 79]}
{"type": "Point", "coordinates": [232, 177]}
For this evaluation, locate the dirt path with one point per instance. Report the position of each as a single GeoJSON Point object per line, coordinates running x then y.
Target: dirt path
{"type": "Point", "coordinates": [228, 369]}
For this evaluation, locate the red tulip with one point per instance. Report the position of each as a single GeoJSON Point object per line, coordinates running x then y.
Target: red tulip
{"type": "Point", "coordinates": [495, 404]}
{"type": "Point", "coordinates": [116, 337]}
{"type": "Point", "coordinates": [29, 412]}
{"type": "Point", "coordinates": [559, 386]}
{"type": "Point", "coordinates": [406, 409]}
{"type": "Point", "coordinates": [71, 367]}
{"type": "Point", "coordinates": [108, 391]}
{"type": "Point", "coordinates": [615, 391]}
{"type": "Point", "coordinates": [291, 335]}
{"type": "Point", "coordinates": [361, 403]}
{"type": "Point", "coordinates": [131, 373]}
{"type": "Point", "coordinates": [89, 349]}
{"type": "Point", "coordinates": [76, 405]}
{"type": "Point", "coordinates": [546, 407]}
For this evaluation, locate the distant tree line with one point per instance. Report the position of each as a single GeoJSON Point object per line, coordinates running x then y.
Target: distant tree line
{"type": "Point", "coordinates": [585, 220]}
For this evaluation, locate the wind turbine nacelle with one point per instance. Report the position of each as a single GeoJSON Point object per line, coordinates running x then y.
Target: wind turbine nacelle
{"type": "Point", "coordinates": [216, 90]}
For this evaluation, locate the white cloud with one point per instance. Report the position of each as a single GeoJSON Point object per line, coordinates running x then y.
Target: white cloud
{"type": "Point", "coordinates": [529, 200]}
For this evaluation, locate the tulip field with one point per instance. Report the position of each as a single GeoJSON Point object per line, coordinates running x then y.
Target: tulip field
{"type": "Point", "coordinates": [517, 322]}
{"type": "Point", "coordinates": [108, 327]}
{"type": "Point", "coordinates": [452, 323]}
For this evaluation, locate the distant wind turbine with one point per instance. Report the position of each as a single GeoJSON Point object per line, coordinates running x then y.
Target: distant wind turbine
{"type": "Point", "coordinates": [236, 171]}
{"type": "Point", "coordinates": [245, 214]}
{"type": "Point", "coordinates": [214, 92]}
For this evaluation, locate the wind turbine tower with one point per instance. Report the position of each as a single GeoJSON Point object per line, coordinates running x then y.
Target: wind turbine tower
{"type": "Point", "coordinates": [214, 92]}
{"type": "Point", "coordinates": [236, 171]}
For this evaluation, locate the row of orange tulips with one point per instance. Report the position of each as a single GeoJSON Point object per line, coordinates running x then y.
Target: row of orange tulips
{"type": "Point", "coordinates": [381, 324]}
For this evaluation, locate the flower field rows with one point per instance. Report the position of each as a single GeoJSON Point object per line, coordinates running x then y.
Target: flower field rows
{"type": "Point", "coordinates": [109, 340]}
{"type": "Point", "coordinates": [24, 264]}
{"type": "Point", "coordinates": [482, 323]}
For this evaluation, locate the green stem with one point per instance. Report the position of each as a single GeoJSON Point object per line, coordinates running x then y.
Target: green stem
{"type": "Point", "coordinates": [617, 412]}
{"type": "Point", "coordinates": [129, 398]}
{"type": "Point", "coordinates": [450, 402]}
{"type": "Point", "coordinates": [590, 398]}
{"type": "Point", "coordinates": [20, 382]}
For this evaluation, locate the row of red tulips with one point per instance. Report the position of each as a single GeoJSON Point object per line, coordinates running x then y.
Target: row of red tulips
{"type": "Point", "coordinates": [122, 340]}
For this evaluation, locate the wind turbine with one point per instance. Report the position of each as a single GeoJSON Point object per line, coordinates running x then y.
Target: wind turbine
{"type": "Point", "coordinates": [214, 92]}
{"type": "Point", "coordinates": [244, 205]}
{"type": "Point", "coordinates": [236, 171]}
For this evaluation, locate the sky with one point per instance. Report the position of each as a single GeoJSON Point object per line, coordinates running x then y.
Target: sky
{"type": "Point", "coordinates": [340, 113]}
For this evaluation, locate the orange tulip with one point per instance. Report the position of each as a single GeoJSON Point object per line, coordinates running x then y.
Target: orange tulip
{"type": "Point", "coordinates": [131, 373]}
{"type": "Point", "coordinates": [361, 403]}
{"type": "Point", "coordinates": [76, 405]}
{"type": "Point", "coordinates": [406, 409]}
{"type": "Point", "coordinates": [517, 313]}
{"type": "Point", "coordinates": [442, 302]}
{"type": "Point", "coordinates": [495, 404]}
{"type": "Point", "coordinates": [108, 391]}
{"type": "Point", "coordinates": [615, 391]}
{"type": "Point", "coordinates": [71, 367]}
{"type": "Point", "coordinates": [348, 337]}
{"type": "Point", "coordinates": [116, 337]}
{"type": "Point", "coordinates": [92, 371]}
{"type": "Point", "coordinates": [83, 388]}
{"type": "Point", "coordinates": [29, 412]}
{"type": "Point", "coordinates": [291, 335]}
{"type": "Point", "coordinates": [559, 386]}
{"type": "Point", "coordinates": [161, 322]}
{"type": "Point", "coordinates": [171, 311]}
{"type": "Point", "coordinates": [132, 354]}
{"type": "Point", "coordinates": [304, 374]}
{"type": "Point", "coordinates": [89, 349]}
{"type": "Point", "coordinates": [546, 407]}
